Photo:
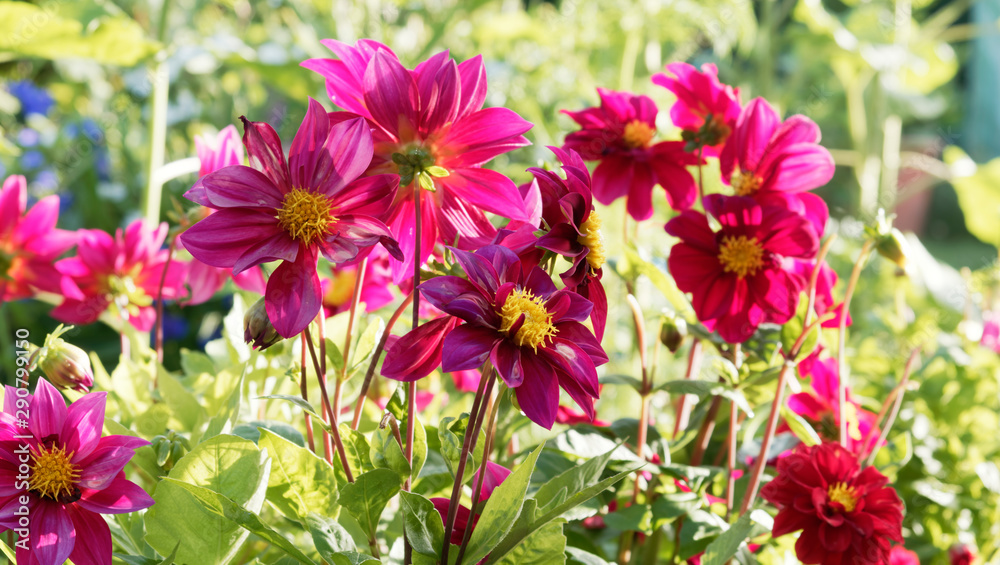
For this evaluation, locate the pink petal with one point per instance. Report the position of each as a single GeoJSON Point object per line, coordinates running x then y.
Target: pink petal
{"type": "Point", "coordinates": [120, 497]}
{"type": "Point", "coordinates": [294, 295]}
{"type": "Point", "coordinates": [538, 394]}
{"type": "Point", "coordinates": [84, 423]}
{"type": "Point", "coordinates": [222, 238]}
{"type": "Point", "coordinates": [266, 153]}
{"type": "Point", "coordinates": [47, 410]}
{"type": "Point", "coordinates": [467, 347]}
{"type": "Point", "coordinates": [93, 543]}
{"type": "Point", "coordinates": [237, 187]}
{"type": "Point", "coordinates": [481, 136]}
{"type": "Point", "coordinates": [391, 95]}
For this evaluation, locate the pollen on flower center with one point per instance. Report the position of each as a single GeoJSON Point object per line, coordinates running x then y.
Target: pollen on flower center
{"type": "Point", "coordinates": [844, 495]}
{"type": "Point", "coordinates": [638, 134]}
{"type": "Point", "coordinates": [592, 239]}
{"type": "Point", "coordinates": [741, 255]}
{"type": "Point", "coordinates": [537, 319]}
{"type": "Point", "coordinates": [305, 215]}
{"type": "Point", "coordinates": [53, 474]}
{"type": "Point", "coordinates": [745, 183]}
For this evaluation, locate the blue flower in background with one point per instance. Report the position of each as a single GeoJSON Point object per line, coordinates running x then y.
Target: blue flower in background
{"type": "Point", "coordinates": [34, 99]}
{"type": "Point", "coordinates": [32, 159]}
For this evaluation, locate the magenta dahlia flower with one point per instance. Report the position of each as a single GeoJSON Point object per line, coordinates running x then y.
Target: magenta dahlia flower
{"type": "Point", "coordinates": [706, 110]}
{"type": "Point", "coordinates": [430, 123]}
{"type": "Point", "coordinates": [29, 242]}
{"type": "Point", "coordinates": [123, 271]}
{"type": "Point", "coordinates": [529, 330]}
{"type": "Point", "coordinates": [740, 276]}
{"type": "Point", "coordinates": [776, 162]}
{"type": "Point", "coordinates": [75, 476]}
{"type": "Point", "coordinates": [294, 210]}
{"type": "Point", "coordinates": [620, 135]}
{"type": "Point", "coordinates": [846, 514]}
{"type": "Point", "coordinates": [820, 407]}
{"type": "Point", "coordinates": [225, 150]}
{"type": "Point", "coordinates": [574, 230]}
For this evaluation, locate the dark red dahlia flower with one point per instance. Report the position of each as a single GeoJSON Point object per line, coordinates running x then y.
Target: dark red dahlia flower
{"type": "Point", "coordinates": [847, 514]}
{"type": "Point", "coordinates": [740, 276]}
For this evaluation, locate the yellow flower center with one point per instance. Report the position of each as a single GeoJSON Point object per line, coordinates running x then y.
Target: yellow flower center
{"type": "Point", "coordinates": [741, 255]}
{"type": "Point", "coordinates": [844, 495]}
{"type": "Point", "coordinates": [537, 320]}
{"type": "Point", "coordinates": [745, 183]}
{"type": "Point", "coordinates": [592, 239]}
{"type": "Point", "coordinates": [638, 134]}
{"type": "Point", "coordinates": [53, 474]}
{"type": "Point", "coordinates": [305, 215]}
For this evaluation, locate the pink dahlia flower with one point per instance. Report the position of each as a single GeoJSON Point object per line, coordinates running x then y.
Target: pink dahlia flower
{"type": "Point", "coordinates": [706, 110]}
{"type": "Point", "coordinates": [529, 330]}
{"type": "Point", "coordinates": [294, 210]}
{"type": "Point", "coordinates": [75, 476]}
{"type": "Point", "coordinates": [574, 230]}
{"type": "Point", "coordinates": [225, 150]}
{"type": "Point", "coordinates": [29, 242]}
{"type": "Point", "coordinates": [776, 162]}
{"type": "Point", "coordinates": [740, 276]}
{"type": "Point", "coordinates": [619, 133]}
{"type": "Point", "coordinates": [430, 122]}
{"type": "Point", "coordinates": [820, 406]}
{"type": "Point", "coordinates": [124, 271]}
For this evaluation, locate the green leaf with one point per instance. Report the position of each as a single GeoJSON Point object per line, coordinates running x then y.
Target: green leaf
{"type": "Point", "coordinates": [329, 536]}
{"type": "Point", "coordinates": [228, 465]}
{"type": "Point", "coordinates": [357, 449]}
{"type": "Point", "coordinates": [422, 524]}
{"type": "Point", "coordinates": [724, 547]}
{"type": "Point", "coordinates": [800, 427]}
{"type": "Point", "coordinates": [300, 482]}
{"type": "Point", "coordinates": [546, 546]}
{"type": "Point", "coordinates": [978, 190]}
{"type": "Point", "coordinates": [229, 510]}
{"type": "Point", "coordinates": [367, 496]}
{"type": "Point", "coordinates": [706, 388]}
{"type": "Point", "coordinates": [501, 510]}
{"type": "Point", "coordinates": [368, 341]}
{"type": "Point", "coordinates": [386, 453]}
{"type": "Point", "coordinates": [634, 518]}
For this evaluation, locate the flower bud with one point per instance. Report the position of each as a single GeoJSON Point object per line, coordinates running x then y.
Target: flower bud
{"type": "Point", "coordinates": [672, 333]}
{"type": "Point", "coordinates": [65, 365]}
{"type": "Point", "coordinates": [893, 247]}
{"type": "Point", "coordinates": [257, 327]}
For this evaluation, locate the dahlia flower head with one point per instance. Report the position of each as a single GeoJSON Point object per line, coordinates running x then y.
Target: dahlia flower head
{"type": "Point", "coordinates": [706, 110]}
{"type": "Point", "coordinates": [742, 275]}
{"type": "Point", "coordinates": [530, 331]}
{"type": "Point", "coordinates": [124, 271]}
{"type": "Point", "coordinates": [76, 475]}
{"type": "Point", "coordinates": [847, 515]}
{"type": "Point", "coordinates": [574, 230]}
{"type": "Point", "coordinates": [431, 128]}
{"type": "Point", "coordinates": [776, 162]}
{"type": "Point", "coordinates": [29, 242]}
{"type": "Point", "coordinates": [224, 150]}
{"type": "Point", "coordinates": [620, 135]}
{"type": "Point", "coordinates": [313, 203]}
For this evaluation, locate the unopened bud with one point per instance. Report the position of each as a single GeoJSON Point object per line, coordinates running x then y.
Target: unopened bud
{"type": "Point", "coordinates": [257, 327]}
{"type": "Point", "coordinates": [893, 247]}
{"type": "Point", "coordinates": [672, 333]}
{"type": "Point", "coordinates": [65, 365]}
